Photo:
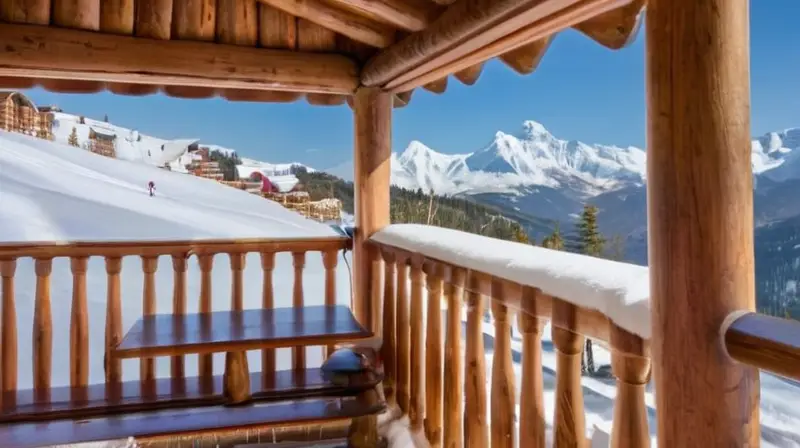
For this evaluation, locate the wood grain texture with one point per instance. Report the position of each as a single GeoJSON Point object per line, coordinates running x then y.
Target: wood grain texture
{"type": "Point", "coordinates": [433, 357]}
{"type": "Point", "coordinates": [79, 325]}
{"type": "Point", "coordinates": [403, 338]}
{"type": "Point", "coordinates": [178, 305]}
{"type": "Point", "coordinates": [220, 331]}
{"type": "Point", "coordinates": [8, 333]}
{"type": "Point", "coordinates": [194, 19]}
{"type": "Point", "coordinates": [299, 263]}
{"type": "Point", "coordinates": [113, 367]}
{"type": "Point", "coordinates": [277, 29]}
{"type": "Point", "coordinates": [416, 412]}
{"type": "Point", "coordinates": [205, 362]}
{"type": "Point", "coordinates": [48, 52]}
{"type": "Point", "coordinates": [237, 22]}
{"type": "Point", "coordinates": [79, 14]}
{"type": "Point", "coordinates": [503, 399]}
{"type": "Point", "coordinates": [389, 328]}
{"type": "Point", "coordinates": [408, 15]}
{"type": "Point", "coordinates": [117, 16]}
{"type": "Point", "coordinates": [766, 342]}
{"type": "Point", "coordinates": [153, 19]}
{"type": "Point", "coordinates": [476, 425]}
{"type": "Point", "coordinates": [531, 406]}
{"type": "Point", "coordinates": [569, 418]}
{"type": "Point", "coordinates": [525, 59]}
{"type": "Point", "coordinates": [630, 364]}
{"type": "Point", "coordinates": [700, 218]}
{"type": "Point", "coordinates": [453, 420]}
{"type": "Point", "coordinates": [267, 302]}
{"type": "Point", "coordinates": [149, 268]}
{"type": "Point", "coordinates": [34, 12]}
{"type": "Point", "coordinates": [42, 328]}
{"type": "Point", "coordinates": [617, 28]}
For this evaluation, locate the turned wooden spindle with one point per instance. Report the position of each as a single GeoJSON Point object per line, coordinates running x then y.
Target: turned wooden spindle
{"type": "Point", "coordinates": [79, 325]}
{"type": "Point", "coordinates": [330, 259]}
{"type": "Point", "coordinates": [42, 329]}
{"type": "Point", "coordinates": [453, 374]}
{"type": "Point", "coordinates": [205, 363]}
{"type": "Point", "coordinates": [298, 262]}
{"type": "Point", "coordinates": [569, 420]}
{"type": "Point", "coordinates": [149, 268]}
{"type": "Point", "coordinates": [630, 364]}
{"type": "Point", "coordinates": [403, 363]}
{"type": "Point", "coordinates": [267, 302]}
{"type": "Point", "coordinates": [416, 411]}
{"type": "Point", "coordinates": [476, 427]}
{"type": "Point", "coordinates": [179, 265]}
{"type": "Point", "coordinates": [237, 281]}
{"type": "Point", "coordinates": [531, 406]}
{"type": "Point", "coordinates": [389, 346]}
{"type": "Point", "coordinates": [113, 366]}
{"type": "Point", "coordinates": [503, 400]}
{"type": "Point", "coordinates": [8, 339]}
{"type": "Point", "coordinates": [433, 358]}
{"type": "Point", "coordinates": [375, 291]}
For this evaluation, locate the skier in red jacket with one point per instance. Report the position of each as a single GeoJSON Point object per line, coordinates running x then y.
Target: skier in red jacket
{"type": "Point", "coordinates": [151, 187]}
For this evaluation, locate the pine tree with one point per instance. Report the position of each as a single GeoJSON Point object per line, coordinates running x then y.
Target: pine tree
{"type": "Point", "coordinates": [592, 243]}
{"type": "Point", "coordinates": [616, 248]}
{"type": "Point", "coordinates": [73, 138]}
{"type": "Point", "coordinates": [521, 236]}
{"type": "Point", "coordinates": [554, 241]}
{"type": "Point", "coordinates": [105, 118]}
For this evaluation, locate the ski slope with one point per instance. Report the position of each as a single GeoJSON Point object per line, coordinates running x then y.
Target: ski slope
{"type": "Point", "coordinates": [51, 191]}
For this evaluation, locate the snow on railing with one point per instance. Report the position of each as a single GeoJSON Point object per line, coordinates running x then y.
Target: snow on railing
{"type": "Point", "coordinates": [582, 296]}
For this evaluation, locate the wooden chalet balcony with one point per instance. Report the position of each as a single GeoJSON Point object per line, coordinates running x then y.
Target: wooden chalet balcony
{"type": "Point", "coordinates": [240, 403]}
{"type": "Point", "coordinates": [444, 395]}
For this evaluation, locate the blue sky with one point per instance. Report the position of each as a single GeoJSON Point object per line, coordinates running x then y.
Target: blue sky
{"type": "Point", "coordinates": [580, 91]}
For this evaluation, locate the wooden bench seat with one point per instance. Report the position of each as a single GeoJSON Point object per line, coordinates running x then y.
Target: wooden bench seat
{"type": "Point", "coordinates": [226, 331]}
{"type": "Point", "coordinates": [172, 393]}
{"type": "Point", "coordinates": [194, 421]}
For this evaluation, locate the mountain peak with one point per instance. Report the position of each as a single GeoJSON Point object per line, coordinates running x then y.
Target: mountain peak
{"type": "Point", "coordinates": [534, 128]}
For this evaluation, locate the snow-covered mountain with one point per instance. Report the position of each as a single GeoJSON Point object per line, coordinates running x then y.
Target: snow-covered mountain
{"type": "Point", "coordinates": [533, 157]}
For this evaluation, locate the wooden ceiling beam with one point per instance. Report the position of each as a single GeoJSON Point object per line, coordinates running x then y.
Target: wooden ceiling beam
{"type": "Point", "coordinates": [615, 29]}
{"type": "Point", "coordinates": [463, 54]}
{"type": "Point", "coordinates": [467, 27]}
{"type": "Point", "coordinates": [404, 14]}
{"type": "Point", "coordinates": [32, 51]}
{"type": "Point", "coordinates": [526, 58]}
{"type": "Point", "coordinates": [344, 22]}
{"type": "Point", "coordinates": [470, 75]}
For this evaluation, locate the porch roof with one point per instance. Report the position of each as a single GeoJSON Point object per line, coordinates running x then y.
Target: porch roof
{"type": "Point", "coordinates": [280, 51]}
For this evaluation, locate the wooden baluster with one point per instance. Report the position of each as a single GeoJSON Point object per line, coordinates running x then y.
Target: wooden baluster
{"type": "Point", "coordinates": [503, 390]}
{"type": "Point", "coordinates": [113, 366]}
{"type": "Point", "coordinates": [178, 306]}
{"type": "Point", "coordinates": [149, 267]}
{"type": "Point", "coordinates": [531, 406]}
{"type": "Point", "coordinates": [389, 331]}
{"type": "Point", "coordinates": [79, 325]}
{"type": "Point", "coordinates": [267, 302]}
{"type": "Point", "coordinates": [403, 363]}
{"type": "Point", "coordinates": [416, 411]}
{"type": "Point", "coordinates": [330, 260]}
{"type": "Point", "coordinates": [205, 363]}
{"type": "Point", "coordinates": [630, 364]}
{"type": "Point", "coordinates": [376, 291]}
{"type": "Point", "coordinates": [453, 375]}
{"type": "Point", "coordinates": [8, 340]}
{"type": "Point", "coordinates": [433, 358]}
{"type": "Point", "coordinates": [476, 428]}
{"type": "Point", "coordinates": [237, 281]}
{"type": "Point", "coordinates": [42, 330]}
{"type": "Point", "coordinates": [298, 352]}
{"type": "Point", "coordinates": [569, 420]}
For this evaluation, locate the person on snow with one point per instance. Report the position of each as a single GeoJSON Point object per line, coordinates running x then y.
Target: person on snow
{"type": "Point", "coordinates": [151, 187]}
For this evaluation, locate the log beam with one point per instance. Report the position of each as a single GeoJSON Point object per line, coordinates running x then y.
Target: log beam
{"type": "Point", "coordinates": [32, 51]}
{"type": "Point", "coordinates": [344, 22]}
{"type": "Point", "coordinates": [403, 14]}
{"type": "Point", "coordinates": [700, 218]}
{"type": "Point", "coordinates": [468, 27]}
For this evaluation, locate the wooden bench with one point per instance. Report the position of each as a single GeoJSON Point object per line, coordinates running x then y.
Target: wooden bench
{"type": "Point", "coordinates": [164, 407]}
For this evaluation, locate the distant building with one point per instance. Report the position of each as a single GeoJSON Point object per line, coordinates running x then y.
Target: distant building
{"type": "Point", "coordinates": [19, 114]}
{"type": "Point", "coordinates": [102, 142]}
{"type": "Point", "coordinates": [52, 108]}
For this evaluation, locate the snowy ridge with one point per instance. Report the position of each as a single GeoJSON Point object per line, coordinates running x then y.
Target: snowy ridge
{"type": "Point", "coordinates": [533, 156]}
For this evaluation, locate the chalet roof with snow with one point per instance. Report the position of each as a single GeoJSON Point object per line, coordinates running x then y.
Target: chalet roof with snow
{"type": "Point", "coordinates": [101, 134]}
{"type": "Point", "coordinates": [280, 51]}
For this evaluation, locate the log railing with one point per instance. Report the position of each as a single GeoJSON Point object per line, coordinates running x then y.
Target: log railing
{"type": "Point", "coordinates": [446, 399]}
{"type": "Point", "coordinates": [206, 251]}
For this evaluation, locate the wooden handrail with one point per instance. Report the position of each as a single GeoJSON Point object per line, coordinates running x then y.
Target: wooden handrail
{"type": "Point", "coordinates": [766, 342]}
{"type": "Point", "coordinates": [570, 325]}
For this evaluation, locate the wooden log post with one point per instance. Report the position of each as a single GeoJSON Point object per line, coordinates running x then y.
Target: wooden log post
{"type": "Point", "coordinates": [569, 419]}
{"type": "Point", "coordinates": [503, 390]}
{"type": "Point", "coordinates": [416, 412]}
{"type": "Point", "coordinates": [147, 367]}
{"type": "Point", "coordinates": [433, 358]}
{"type": "Point", "coordinates": [372, 110]}
{"type": "Point", "coordinates": [403, 338]}
{"type": "Point", "coordinates": [630, 364]}
{"type": "Point", "coordinates": [42, 330]}
{"type": "Point", "coordinates": [476, 427]}
{"type": "Point", "coordinates": [267, 302]}
{"type": "Point", "coordinates": [8, 334]}
{"type": "Point", "coordinates": [178, 306]}
{"type": "Point", "coordinates": [700, 218]}
{"type": "Point", "coordinates": [531, 407]}
{"type": "Point", "coordinates": [237, 280]}
{"type": "Point", "coordinates": [79, 325]}
{"type": "Point", "coordinates": [113, 366]}
{"type": "Point", "coordinates": [453, 373]}
{"type": "Point", "coordinates": [388, 353]}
